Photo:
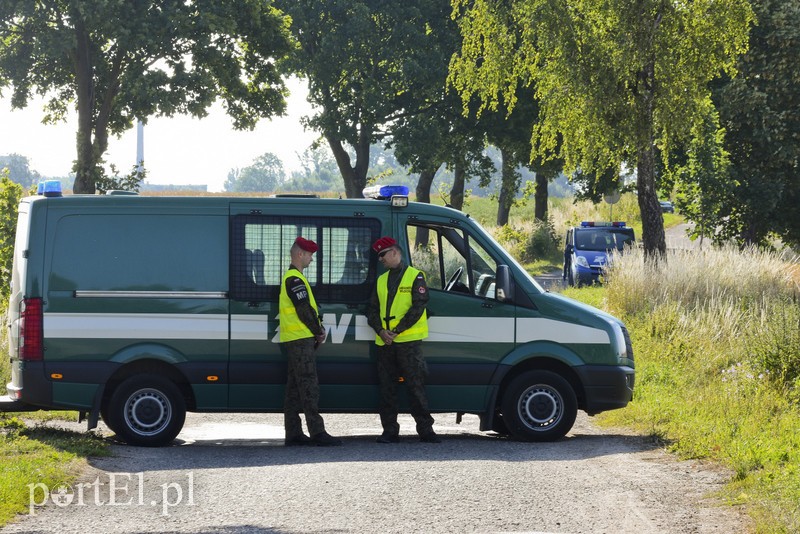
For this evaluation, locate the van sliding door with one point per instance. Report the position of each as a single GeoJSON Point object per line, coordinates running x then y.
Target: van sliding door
{"type": "Point", "coordinates": [341, 277]}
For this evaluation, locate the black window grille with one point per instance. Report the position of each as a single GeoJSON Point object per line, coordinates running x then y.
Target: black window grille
{"type": "Point", "coordinates": [341, 270]}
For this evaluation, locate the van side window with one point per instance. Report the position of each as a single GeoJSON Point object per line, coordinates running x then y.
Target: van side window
{"type": "Point", "coordinates": [452, 260]}
{"type": "Point", "coordinates": [341, 269]}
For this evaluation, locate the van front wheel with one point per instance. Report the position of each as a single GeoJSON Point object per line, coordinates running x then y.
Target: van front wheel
{"type": "Point", "coordinates": [539, 406]}
{"type": "Point", "coordinates": [146, 410]}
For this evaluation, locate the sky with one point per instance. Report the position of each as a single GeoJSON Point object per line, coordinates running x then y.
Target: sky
{"type": "Point", "coordinates": [180, 150]}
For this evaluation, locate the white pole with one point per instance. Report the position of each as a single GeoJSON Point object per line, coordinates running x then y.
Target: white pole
{"type": "Point", "coordinates": [139, 146]}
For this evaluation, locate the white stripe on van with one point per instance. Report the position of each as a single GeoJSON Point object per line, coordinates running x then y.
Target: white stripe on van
{"type": "Point", "coordinates": [249, 327]}
{"type": "Point", "coordinates": [256, 328]}
{"type": "Point", "coordinates": [471, 329]}
{"type": "Point", "coordinates": [136, 326]}
{"type": "Point", "coordinates": [533, 329]}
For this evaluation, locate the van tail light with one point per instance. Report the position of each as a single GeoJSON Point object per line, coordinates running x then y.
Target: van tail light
{"type": "Point", "coordinates": [31, 331]}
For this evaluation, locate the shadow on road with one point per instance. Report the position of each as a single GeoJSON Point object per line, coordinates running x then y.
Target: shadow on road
{"type": "Point", "coordinates": [227, 453]}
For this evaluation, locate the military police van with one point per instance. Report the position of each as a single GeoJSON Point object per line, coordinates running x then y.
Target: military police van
{"type": "Point", "coordinates": [138, 309]}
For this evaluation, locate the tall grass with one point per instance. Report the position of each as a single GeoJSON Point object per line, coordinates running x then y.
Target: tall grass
{"type": "Point", "coordinates": [717, 346]}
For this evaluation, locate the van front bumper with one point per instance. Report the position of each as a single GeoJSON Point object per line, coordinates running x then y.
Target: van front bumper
{"type": "Point", "coordinates": [606, 387]}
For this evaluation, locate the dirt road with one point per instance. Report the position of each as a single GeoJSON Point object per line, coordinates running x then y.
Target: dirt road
{"type": "Point", "coordinates": [231, 473]}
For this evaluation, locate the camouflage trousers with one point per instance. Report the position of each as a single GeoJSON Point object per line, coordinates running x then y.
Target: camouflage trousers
{"type": "Point", "coordinates": [403, 360]}
{"type": "Point", "coordinates": [302, 389]}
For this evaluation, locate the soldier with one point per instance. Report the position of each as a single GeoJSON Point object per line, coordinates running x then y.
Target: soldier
{"type": "Point", "coordinates": [397, 314]}
{"type": "Point", "coordinates": [301, 332]}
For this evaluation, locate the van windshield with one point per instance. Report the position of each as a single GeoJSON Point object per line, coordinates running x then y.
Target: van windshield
{"type": "Point", "coordinates": [602, 239]}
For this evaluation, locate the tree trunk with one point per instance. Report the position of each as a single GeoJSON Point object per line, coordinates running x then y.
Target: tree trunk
{"type": "Point", "coordinates": [424, 195]}
{"type": "Point", "coordinates": [355, 177]}
{"type": "Point", "coordinates": [85, 165]}
{"type": "Point", "coordinates": [540, 197]}
{"type": "Point", "coordinates": [510, 179]}
{"type": "Point", "coordinates": [459, 183]}
{"type": "Point", "coordinates": [653, 239]}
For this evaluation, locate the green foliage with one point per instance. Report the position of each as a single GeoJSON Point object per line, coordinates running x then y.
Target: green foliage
{"type": "Point", "coordinates": [776, 350]}
{"type": "Point", "coordinates": [265, 174]}
{"type": "Point", "coordinates": [129, 182]}
{"type": "Point", "coordinates": [614, 80]}
{"type": "Point", "coordinates": [10, 195]}
{"type": "Point", "coordinates": [703, 183]}
{"type": "Point", "coordinates": [121, 61]}
{"type": "Point", "coordinates": [543, 241]}
{"type": "Point", "coordinates": [368, 64]}
{"type": "Point", "coordinates": [717, 355]}
{"type": "Point", "coordinates": [760, 112]}
{"type": "Point", "coordinates": [19, 170]}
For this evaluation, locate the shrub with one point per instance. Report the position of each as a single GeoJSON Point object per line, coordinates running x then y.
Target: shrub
{"type": "Point", "coordinates": [10, 195]}
{"type": "Point", "coordinates": [543, 242]}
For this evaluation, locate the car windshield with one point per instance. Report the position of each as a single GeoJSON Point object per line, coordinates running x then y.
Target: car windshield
{"type": "Point", "coordinates": [601, 239]}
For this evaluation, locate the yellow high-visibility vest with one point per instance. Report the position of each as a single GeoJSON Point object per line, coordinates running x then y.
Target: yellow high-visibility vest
{"type": "Point", "coordinates": [400, 305]}
{"type": "Point", "coordinates": [291, 327]}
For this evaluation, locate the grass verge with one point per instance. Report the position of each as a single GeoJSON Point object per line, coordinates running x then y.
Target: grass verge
{"type": "Point", "coordinates": [717, 347]}
{"type": "Point", "coordinates": [39, 454]}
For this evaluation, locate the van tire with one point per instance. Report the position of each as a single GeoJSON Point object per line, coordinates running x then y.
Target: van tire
{"type": "Point", "coordinates": [539, 406]}
{"type": "Point", "coordinates": [146, 410]}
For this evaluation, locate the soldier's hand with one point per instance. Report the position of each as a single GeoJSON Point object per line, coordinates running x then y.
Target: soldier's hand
{"type": "Point", "coordinates": [388, 336]}
{"type": "Point", "coordinates": [320, 338]}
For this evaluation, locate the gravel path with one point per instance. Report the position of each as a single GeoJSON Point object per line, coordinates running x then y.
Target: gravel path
{"type": "Point", "coordinates": [230, 473]}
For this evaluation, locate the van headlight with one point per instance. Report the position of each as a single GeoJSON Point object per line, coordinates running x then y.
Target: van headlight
{"type": "Point", "coordinates": [581, 261]}
{"type": "Point", "coordinates": [619, 340]}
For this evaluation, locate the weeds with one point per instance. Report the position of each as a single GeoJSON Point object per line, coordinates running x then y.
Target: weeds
{"type": "Point", "coordinates": [717, 342]}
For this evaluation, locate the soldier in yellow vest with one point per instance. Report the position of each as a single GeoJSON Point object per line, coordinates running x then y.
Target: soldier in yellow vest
{"type": "Point", "coordinates": [397, 314]}
{"type": "Point", "coordinates": [301, 332]}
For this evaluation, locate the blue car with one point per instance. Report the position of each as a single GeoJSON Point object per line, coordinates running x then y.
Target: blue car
{"type": "Point", "coordinates": [588, 248]}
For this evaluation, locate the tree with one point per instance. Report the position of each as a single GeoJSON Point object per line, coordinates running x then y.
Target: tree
{"type": "Point", "coordinates": [117, 61]}
{"type": "Point", "coordinates": [368, 64]}
{"type": "Point", "coordinates": [439, 135]}
{"type": "Point", "coordinates": [760, 112]}
{"type": "Point", "coordinates": [318, 172]}
{"type": "Point", "coordinates": [264, 174]}
{"type": "Point", "coordinates": [614, 79]}
{"type": "Point", "coordinates": [703, 181]}
{"type": "Point", "coordinates": [19, 170]}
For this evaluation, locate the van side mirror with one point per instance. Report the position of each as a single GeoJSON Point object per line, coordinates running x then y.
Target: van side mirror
{"type": "Point", "coordinates": [504, 285]}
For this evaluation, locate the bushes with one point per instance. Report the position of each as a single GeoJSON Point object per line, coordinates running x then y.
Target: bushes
{"type": "Point", "coordinates": [531, 241]}
{"type": "Point", "coordinates": [10, 194]}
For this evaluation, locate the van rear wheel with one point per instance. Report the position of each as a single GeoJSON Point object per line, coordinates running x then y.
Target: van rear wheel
{"type": "Point", "coordinates": [146, 410]}
{"type": "Point", "coordinates": [539, 406]}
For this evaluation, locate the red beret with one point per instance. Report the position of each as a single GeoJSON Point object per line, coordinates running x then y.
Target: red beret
{"type": "Point", "coordinates": [306, 244]}
{"type": "Point", "coordinates": [383, 243]}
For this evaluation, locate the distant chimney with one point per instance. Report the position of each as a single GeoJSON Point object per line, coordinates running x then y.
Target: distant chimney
{"type": "Point", "coordinates": [139, 146]}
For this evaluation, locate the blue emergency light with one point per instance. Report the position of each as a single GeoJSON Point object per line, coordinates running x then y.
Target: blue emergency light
{"type": "Point", "coordinates": [384, 192]}
{"type": "Point", "coordinates": [52, 188]}
{"type": "Point", "coordinates": [40, 188]}
{"type": "Point", "coordinates": [597, 224]}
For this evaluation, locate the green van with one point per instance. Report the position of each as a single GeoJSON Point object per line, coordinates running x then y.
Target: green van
{"type": "Point", "coordinates": [138, 309]}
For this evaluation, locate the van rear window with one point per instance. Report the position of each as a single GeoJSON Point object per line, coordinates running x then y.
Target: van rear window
{"type": "Point", "coordinates": [135, 253]}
